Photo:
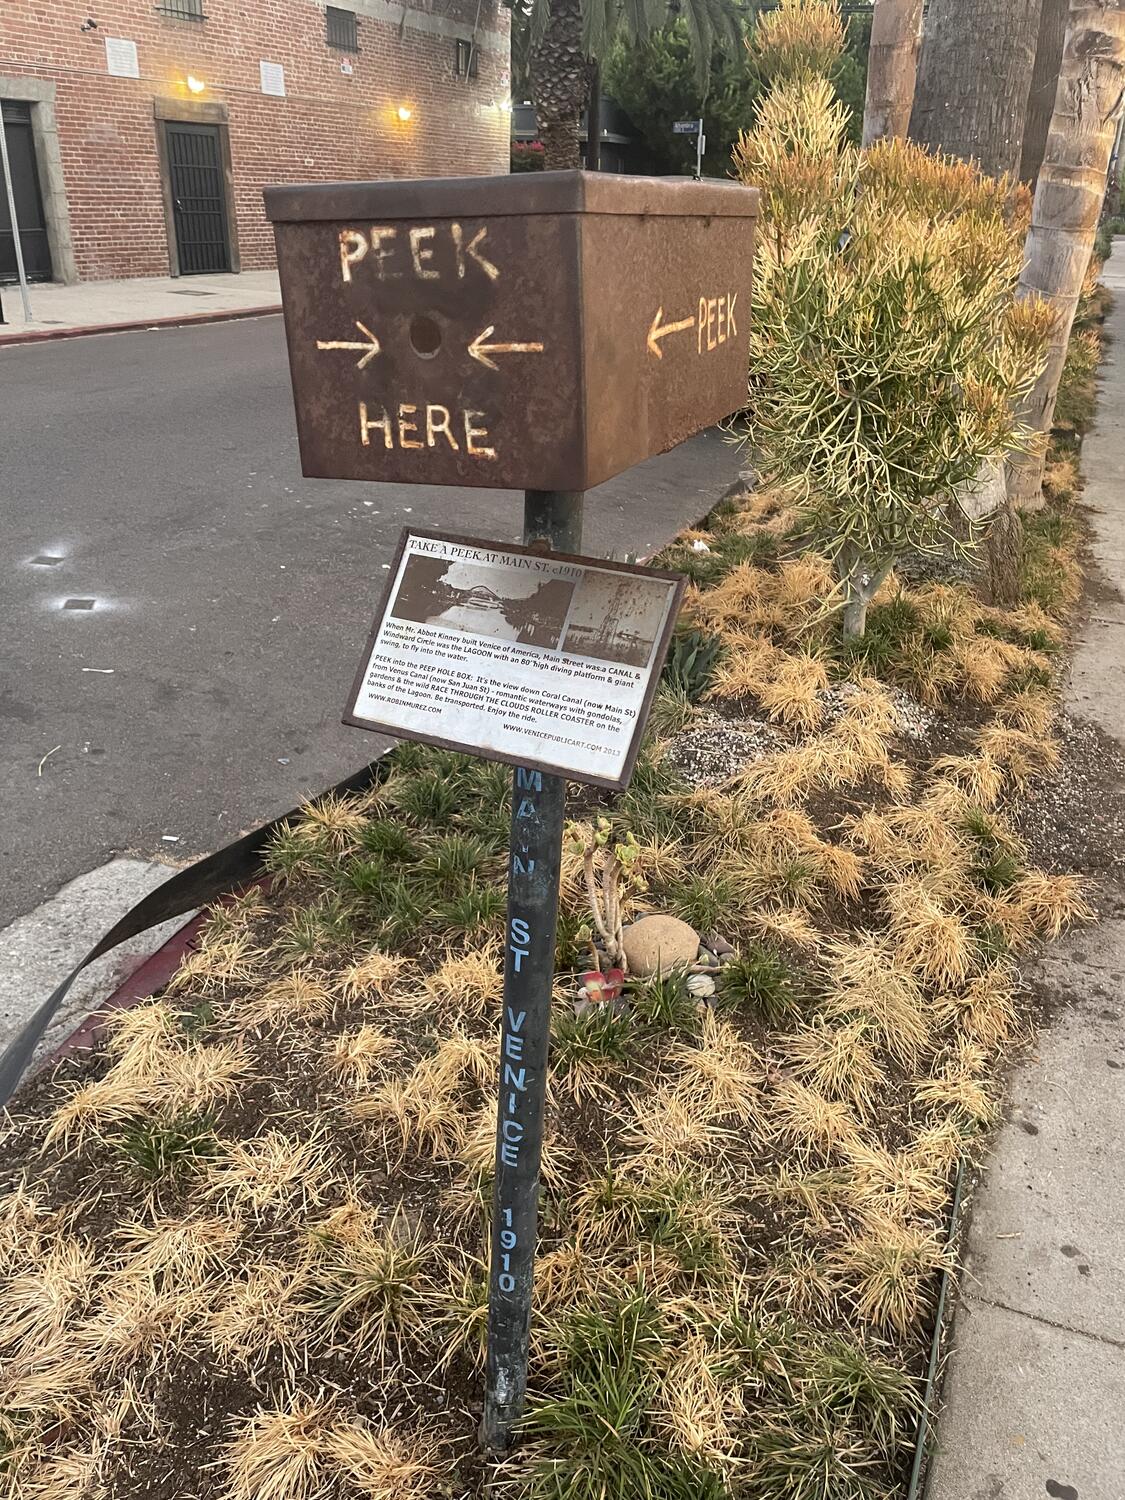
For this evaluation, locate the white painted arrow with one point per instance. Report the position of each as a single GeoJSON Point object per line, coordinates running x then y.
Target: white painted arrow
{"type": "Point", "coordinates": [656, 332]}
{"type": "Point", "coordinates": [371, 346]}
{"type": "Point", "coordinates": [480, 350]}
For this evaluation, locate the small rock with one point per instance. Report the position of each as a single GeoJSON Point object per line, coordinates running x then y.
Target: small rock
{"type": "Point", "coordinates": [702, 986]}
{"type": "Point", "coordinates": [717, 944]}
{"type": "Point", "coordinates": [707, 959]}
{"type": "Point", "coordinates": [659, 943]}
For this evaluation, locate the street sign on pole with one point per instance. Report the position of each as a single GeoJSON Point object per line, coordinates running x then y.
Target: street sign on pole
{"type": "Point", "coordinates": [538, 332]}
{"type": "Point", "coordinates": [686, 127]}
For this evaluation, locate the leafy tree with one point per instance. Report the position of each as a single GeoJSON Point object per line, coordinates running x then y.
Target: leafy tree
{"type": "Point", "coordinates": [561, 38]}
{"type": "Point", "coordinates": [657, 83]}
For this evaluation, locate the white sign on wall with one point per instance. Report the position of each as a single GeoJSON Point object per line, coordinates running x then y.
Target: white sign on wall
{"type": "Point", "coordinates": [273, 79]}
{"type": "Point", "coordinates": [537, 659]}
{"type": "Point", "coordinates": [121, 57]}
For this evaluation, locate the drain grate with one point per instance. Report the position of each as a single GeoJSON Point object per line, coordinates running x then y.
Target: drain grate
{"type": "Point", "coordinates": [78, 603]}
{"type": "Point", "coordinates": [46, 560]}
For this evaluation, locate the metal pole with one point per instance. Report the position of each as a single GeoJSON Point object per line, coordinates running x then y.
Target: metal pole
{"type": "Point", "coordinates": [700, 147]}
{"type": "Point", "coordinates": [538, 809]}
{"type": "Point", "coordinates": [6, 166]}
{"type": "Point", "coordinates": [594, 120]}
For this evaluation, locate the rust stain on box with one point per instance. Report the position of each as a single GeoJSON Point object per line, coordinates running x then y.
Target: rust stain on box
{"type": "Point", "coordinates": [538, 331]}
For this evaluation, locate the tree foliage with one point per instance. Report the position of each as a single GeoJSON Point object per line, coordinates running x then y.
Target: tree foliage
{"type": "Point", "coordinates": [656, 84]}
{"type": "Point", "coordinates": [705, 25]}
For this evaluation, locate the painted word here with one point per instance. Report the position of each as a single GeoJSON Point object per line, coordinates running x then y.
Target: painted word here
{"type": "Point", "coordinates": [424, 425]}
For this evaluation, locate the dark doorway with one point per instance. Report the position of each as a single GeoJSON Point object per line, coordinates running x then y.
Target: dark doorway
{"type": "Point", "coordinates": [195, 166]}
{"type": "Point", "coordinates": [16, 119]}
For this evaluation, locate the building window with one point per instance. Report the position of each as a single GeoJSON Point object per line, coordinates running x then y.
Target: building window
{"type": "Point", "coordinates": [467, 58]}
{"type": "Point", "coordinates": [340, 28]}
{"type": "Point", "coordinates": [182, 10]}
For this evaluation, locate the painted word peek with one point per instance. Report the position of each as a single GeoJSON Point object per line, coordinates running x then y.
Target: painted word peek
{"type": "Point", "coordinates": [415, 250]}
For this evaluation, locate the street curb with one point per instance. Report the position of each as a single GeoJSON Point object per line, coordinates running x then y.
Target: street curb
{"type": "Point", "coordinates": [141, 984]}
{"type": "Point", "coordinates": [178, 320]}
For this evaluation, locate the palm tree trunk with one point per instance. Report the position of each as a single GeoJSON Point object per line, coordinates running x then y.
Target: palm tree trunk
{"type": "Point", "coordinates": [1044, 83]}
{"type": "Point", "coordinates": [1068, 201]}
{"type": "Point", "coordinates": [892, 69]}
{"type": "Point", "coordinates": [973, 79]}
{"type": "Point", "coordinates": [558, 85]}
{"type": "Point", "coordinates": [1005, 544]}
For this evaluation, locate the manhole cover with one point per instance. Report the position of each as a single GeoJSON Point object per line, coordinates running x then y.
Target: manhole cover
{"type": "Point", "coordinates": [78, 603]}
{"type": "Point", "coordinates": [46, 560]}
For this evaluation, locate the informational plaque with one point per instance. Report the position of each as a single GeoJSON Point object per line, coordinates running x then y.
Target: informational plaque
{"type": "Point", "coordinates": [273, 79]}
{"type": "Point", "coordinates": [535, 658]}
{"type": "Point", "coordinates": [121, 57]}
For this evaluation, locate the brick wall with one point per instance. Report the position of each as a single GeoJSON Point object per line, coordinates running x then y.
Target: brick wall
{"type": "Point", "coordinates": [329, 125]}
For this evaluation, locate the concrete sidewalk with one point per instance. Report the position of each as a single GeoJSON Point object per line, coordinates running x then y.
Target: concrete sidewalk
{"type": "Point", "coordinates": [114, 306]}
{"type": "Point", "coordinates": [1035, 1392]}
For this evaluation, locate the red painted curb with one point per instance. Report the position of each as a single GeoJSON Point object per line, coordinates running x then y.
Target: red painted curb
{"type": "Point", "coordinates": [179, 320]}
{"type": "Point", "coordinates": [142, 983]}
{"type": "Point", "coordinates": [149, 975]}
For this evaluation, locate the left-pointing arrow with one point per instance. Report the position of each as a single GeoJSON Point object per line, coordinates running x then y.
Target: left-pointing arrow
{"type": "Point", "coordinates": [483, 352]}
{"type": "Point", "coordinates": [370, 347]}
{"type": "Point", "coordinates": [660, 330]}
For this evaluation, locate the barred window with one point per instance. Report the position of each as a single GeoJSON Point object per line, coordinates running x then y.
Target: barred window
{"type": "Point", "coordinates": [467, 57]}
{"type": "Point", "coordinates": [340, 28]}
{"type": "Point", "coordinates": [182, 10]}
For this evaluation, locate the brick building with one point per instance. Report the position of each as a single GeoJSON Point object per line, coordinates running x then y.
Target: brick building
{"type": "Point", "coordinates": [142, 132]}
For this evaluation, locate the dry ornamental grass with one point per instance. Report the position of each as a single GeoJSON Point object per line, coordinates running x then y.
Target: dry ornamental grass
{"type": "Point", "coordinates": [247, 1243]}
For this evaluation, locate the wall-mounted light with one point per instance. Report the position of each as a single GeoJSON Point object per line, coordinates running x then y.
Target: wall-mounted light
{"type": "Point", "coordinates": [89, 24]}
{"type": "Point", "coordinates": [195, 85]}
{"type": "Point", "coordinates": [404, 112]}
{"type": "Point", "coordinates": [504, 106]}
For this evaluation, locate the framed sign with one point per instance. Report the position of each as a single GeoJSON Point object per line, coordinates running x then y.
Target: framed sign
{"type": "Point", "coordinates": [534, 658]}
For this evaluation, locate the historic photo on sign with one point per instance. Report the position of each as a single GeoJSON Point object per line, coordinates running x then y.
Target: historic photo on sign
{"type": "Point", "coordinates": [483, 600]}
{"type": "Point", "coordinates": [616, 617]}
{"type": "Point", "coordinates": [528, 657]}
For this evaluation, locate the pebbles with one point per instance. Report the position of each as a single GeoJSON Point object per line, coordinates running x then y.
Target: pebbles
{"type": "Point", "coordinates": [913, 720]}
{"type": "Point", "coordinates": [713, 750]}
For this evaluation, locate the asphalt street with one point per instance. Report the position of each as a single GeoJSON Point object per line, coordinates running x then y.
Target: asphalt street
{"type": "Point", "coordinates": [156, 475]}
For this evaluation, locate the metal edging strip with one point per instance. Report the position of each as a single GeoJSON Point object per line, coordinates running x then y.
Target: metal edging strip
{"type": "Point", "coordinates": [232, 866]}
{"type": "Point", "coordinates": [936, 1342]}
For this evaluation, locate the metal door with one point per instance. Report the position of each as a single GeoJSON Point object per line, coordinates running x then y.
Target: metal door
{"type": "Point", "coordinates": [16, 119]}
{"type": "Point", "coordinates": [198, 198]}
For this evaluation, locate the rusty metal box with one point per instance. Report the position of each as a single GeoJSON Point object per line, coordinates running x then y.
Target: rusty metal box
{"type": "Point", "coordinates": [537, 331]}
